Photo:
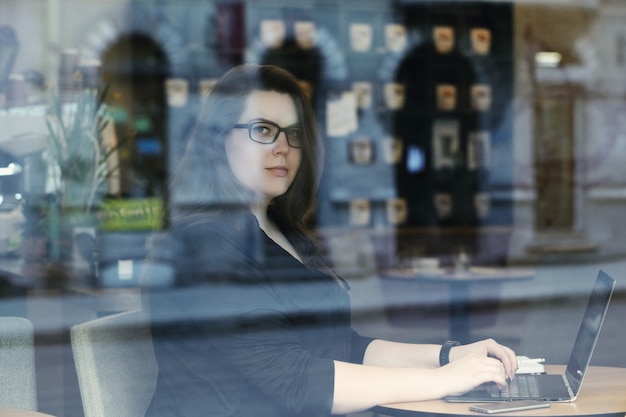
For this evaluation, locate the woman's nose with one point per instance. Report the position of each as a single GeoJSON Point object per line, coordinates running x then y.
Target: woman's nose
{"type": "Point", "coordinates": [281, 145]}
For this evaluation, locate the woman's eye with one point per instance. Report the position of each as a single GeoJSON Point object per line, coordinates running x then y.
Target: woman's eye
{"type": "Point", "coordinates": [261, 130]}
{"type": "Point", "coordinates": [294, 133]}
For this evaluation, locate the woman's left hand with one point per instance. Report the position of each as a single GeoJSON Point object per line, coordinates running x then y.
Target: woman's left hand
{"type": "Point", "coordinates": [491, 348]}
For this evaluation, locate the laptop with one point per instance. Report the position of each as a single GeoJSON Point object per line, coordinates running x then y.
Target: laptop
{"type": "Point", "coordinates": [550, 387]}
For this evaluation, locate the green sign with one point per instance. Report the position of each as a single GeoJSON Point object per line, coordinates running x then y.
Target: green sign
{"type": "Point", "coordinates": [132, 215]}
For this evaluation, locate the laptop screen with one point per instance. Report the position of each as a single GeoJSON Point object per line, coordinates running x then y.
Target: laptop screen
{"type": "Point", "coordinates": [589, 330]}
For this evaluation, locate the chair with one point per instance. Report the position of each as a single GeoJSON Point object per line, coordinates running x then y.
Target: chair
{"type": "Point", "coordinates": [115, 364]}
{"type": "Point", "coordinates": [17, 364]}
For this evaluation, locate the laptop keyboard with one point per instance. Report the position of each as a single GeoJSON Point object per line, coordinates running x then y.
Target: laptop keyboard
{"type": "Point", "coordinates": [523, 386]}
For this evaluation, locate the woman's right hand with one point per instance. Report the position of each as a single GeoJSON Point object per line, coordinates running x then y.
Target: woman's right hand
{"type": "Point", "coordinates": [491, 348]}
{"type": "Point", "coordinates": [472, 370]}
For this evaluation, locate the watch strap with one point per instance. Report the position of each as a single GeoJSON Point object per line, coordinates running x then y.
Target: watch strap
{"type": "Point", "coordinates": [444, 353]}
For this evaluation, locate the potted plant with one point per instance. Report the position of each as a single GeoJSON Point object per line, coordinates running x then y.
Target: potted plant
{"type": "Point", "coordinates": [79, 159]}
{"type": "Point", "coordinates": [77, 150]}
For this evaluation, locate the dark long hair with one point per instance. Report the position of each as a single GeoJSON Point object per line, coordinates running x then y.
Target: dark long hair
{"type": "Point", "coordinates": [204, 180]}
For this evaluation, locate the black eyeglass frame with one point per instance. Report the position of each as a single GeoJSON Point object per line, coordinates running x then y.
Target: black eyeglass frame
{"type": "Point", "coordinates": [250, 124]}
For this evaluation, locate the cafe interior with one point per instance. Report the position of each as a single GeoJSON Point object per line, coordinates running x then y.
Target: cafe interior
{"type": "Point", "coordinates": [474, 180]}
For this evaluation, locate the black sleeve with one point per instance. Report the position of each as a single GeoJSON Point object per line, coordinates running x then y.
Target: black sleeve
{"type": "Point", "coordinates": [359, 346]}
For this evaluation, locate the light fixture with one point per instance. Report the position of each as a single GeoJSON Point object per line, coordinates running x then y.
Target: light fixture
{"type": "Point", "coordinates": [10, 169]}
{"type": "Point", "coordinates": [548, 59]}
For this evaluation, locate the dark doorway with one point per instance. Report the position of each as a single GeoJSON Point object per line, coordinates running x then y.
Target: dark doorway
{"type": "Point", "coordinates": [134, 70]}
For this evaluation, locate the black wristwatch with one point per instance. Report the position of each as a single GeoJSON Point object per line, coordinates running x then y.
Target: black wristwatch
{"type": "Point", "coordinates": [444, 353]}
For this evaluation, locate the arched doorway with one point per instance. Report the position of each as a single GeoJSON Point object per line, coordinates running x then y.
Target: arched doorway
{"type": "Point", "coordinates": [134, 69]}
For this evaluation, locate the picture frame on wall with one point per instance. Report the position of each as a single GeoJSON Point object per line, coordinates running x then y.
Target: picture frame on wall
{"type": "Point", "coordinates": [444, 205]}
{"type": "Point", "coordinates": [479, 150]}
{"type": "Point", "coordinates": [480, 39]}
{"type": "Point", "coordinates": [394, 95]}
{"type": "Point", "coordinates": [397, 211]}
{"type": "Point", "coordinates": [446, 144]}
{"type": "Point", "coordinates": [480, 95]}
{"type": "Point", "coordinates": [305, 33]}
{"type": "Point", "coordinates": [273, 32]}
{"type": "Point", "coordinates": [446, 97]}
{"type": "Point", "coordinates": [364, 93]}
{"type": "Point", "coordinates": [361, 151]}
{"type": "Point", "coordinates": [392, 150]}
{"type": "Point", "coordinates": [360, 212]}
{"type": "Point", "coordinates": [396, 37]}
{"type": "Point", "coordinates": [443, 38]}
{"type": "Point", "coordinates": [361, 37]}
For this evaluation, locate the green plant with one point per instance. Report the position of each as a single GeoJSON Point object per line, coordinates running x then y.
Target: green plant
{"type": "Point", "coordinates": [35, 211]}
{"type": "Point", "coordinates": [77, 151]}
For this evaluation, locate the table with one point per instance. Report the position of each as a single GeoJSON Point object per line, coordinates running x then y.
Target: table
{"type": "Point", "coordinates": [603, 393]}
{"type": "Point", "coordinates": [16, 412]}
{"type": "Point", "coordinates": [459, 283]}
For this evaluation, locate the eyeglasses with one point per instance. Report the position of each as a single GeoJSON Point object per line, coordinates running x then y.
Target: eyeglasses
{"type": "Point", "coordinates": [267, 132]}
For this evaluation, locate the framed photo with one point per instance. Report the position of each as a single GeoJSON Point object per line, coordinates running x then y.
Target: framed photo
{"type": "Point", "coordinates": [397, 211]}
{"type": "Point", "coordinates": [361, 151]}
{"type": "Point", "coordinates": [446, 144]}
{"type": "Point", "coordinates": [363, 91]}
{"type": "Point", "coordinates": [479, 150]}
{"type": "Point", "coordinates": [446, 97]}
{"type": "Point", "coordinates": [443, 37]}
{"type": "Point", "coordinates": [480, 97]}
{"type": "Point", "coordinates": [480, 40]}
{"type": "Point", "coordinates": [305, 34]}
{"type": "Point", "coordinates": [360, 212]}
{"type": "Point", "coordinates": [392, 150]}
{"type": "Point", "coordinates": [177, 91]}
{"type": "Point", "coordinates": [395, 37]}
{"type": "Point", "coordinates": [394, 94]}
{"type": "Point", "coordinates": [361, 36]}
{"type": "Point", "coordinates": [443, 205]}
{"type": "Point", "coordinates": [273, 32]}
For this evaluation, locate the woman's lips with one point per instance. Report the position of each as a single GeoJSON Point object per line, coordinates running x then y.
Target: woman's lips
{"type": "Point", "coordinates": [279, 171]}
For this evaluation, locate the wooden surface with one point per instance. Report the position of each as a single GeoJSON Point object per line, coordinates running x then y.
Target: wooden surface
{"type": "Point", "coordinates": [15, 412]}
{"type": "Point", "coordinates": [603, 392]}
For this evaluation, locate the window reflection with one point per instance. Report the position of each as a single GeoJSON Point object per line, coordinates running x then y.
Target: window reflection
{"type": "Point", "coordinates": [487, 131]}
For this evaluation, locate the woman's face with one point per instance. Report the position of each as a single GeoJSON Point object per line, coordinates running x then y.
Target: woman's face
{"type": "Point", "coordinates": [266, 169]}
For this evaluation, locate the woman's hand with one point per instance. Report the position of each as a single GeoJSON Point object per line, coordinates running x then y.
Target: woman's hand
{"type": "Point", "coordinates": [471, 370]}
{"type": "Point", "coordinates": [491, 349]}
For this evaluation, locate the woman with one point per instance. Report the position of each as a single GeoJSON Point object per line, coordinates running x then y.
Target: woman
{"type": "Point", "coordinates": [258, 324]}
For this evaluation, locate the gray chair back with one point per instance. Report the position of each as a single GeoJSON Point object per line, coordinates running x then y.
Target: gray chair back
{"type": "Point", "coordinates": [17, 364]}
{"type": "Point", "coordinates": [115, 364]}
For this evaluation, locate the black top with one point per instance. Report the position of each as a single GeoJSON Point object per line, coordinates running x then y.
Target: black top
{"type": "Point", "coordinates": [248, 330]}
